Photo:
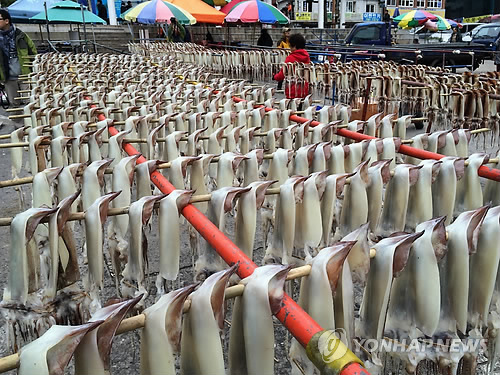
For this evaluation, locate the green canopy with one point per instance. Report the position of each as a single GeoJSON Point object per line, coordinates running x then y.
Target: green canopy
{"type": "Point", "coordinates": [67, 12]}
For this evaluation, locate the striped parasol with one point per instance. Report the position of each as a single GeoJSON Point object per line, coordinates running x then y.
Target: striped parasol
{"type": "Point", "coordinates": [256, 11]}
{"type": "Point", "coordinates": [158, 11]}
{"type": "Point", "coordinates": [413, 19]}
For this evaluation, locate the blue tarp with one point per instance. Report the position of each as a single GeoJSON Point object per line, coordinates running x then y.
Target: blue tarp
{"type": "Point", "coordinates": [25, 9]}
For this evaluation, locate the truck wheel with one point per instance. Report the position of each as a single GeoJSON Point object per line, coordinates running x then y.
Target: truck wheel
{"type": "Point", "coordinates": [437, 62]}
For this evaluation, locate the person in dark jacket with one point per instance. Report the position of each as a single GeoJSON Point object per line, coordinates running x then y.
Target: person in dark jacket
{"type": "Point", "coordinates": [265, 39]}
{"type": "Point", "coordinates": [456, 36]}
{"type": "Point", "coordinates": [299, 54]}
{"type": "Point", "coordinates": [15, 46]}
{"type": "Point", "coordinates": [497, 54]}
{"type": "Point", "coordinates": [102, 12]}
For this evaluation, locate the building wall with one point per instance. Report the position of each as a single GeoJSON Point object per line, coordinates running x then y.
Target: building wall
{"type": "Point", "coordinates": [433, 6]}
{"type": "Point", "coordinates": [352, 11]}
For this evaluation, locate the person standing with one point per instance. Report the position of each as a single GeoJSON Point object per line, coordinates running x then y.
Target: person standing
{"type": "Point", "coordinates": [102, 12]}
{"type": "Point", "coordinates": [15, 46]}
{"type": "Point", "coordinates": [299, 54]}
{"type": "Point", "coordinates": [456, 35]}
{"type": "Point", "coordinates": [265, 39]}
{"type": "Point", "coordinates": [284, 42]}
{"type": "Point", "coordinates": [497, 53]}
{"type": "Point", "coordinates": [176, 32]}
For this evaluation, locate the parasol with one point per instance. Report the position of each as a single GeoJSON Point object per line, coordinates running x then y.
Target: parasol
{"type": "Point", "coordinates": [158, 11]}
{"type": "Point", "coordinates": [413, 19]}
{"type": "Point", "coordinates": [253, 11]}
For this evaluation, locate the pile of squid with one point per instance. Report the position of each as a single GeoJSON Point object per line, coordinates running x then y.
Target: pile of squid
{"type": "Point", "coordinates": [414, 242]}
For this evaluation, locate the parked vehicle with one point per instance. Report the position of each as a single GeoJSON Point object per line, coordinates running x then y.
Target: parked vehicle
{"type": "Point", "coordinates": [468, 29]}
{"type": "Point", "coordinates": [376, 37]}
{"type": "Point", "coordinates": [486, 35]}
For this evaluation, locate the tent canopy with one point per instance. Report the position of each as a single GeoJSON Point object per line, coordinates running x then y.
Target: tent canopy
{"type": "Point", "coordinates": [67, 12]}
{"type": "Point", "coordinates": [25, 9]}
{"type": "Point", "coordinates": [203, 12]}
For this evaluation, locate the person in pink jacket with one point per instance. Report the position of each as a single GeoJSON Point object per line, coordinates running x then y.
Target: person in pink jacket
{"type": "Point", "coordinates": [299, 54]}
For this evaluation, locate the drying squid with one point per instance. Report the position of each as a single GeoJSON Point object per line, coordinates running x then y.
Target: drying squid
{"type": "Point", "coordinates": [161, 335]}
{"type": "Point", "coordinates": [420, 198]}
{"type": "Point", "coordinates": [226, 168]}
{"type": "Point", "coordinates": [201, 347]}
{"type": "Point", "coordinates": [246, 218]}
{"type": "Point", "coordinates": [137, 264]}
{"type": "Point", "coordinates": [198, 178]}
{"type": "Point", "coordinates": [16, 153]}
{"type": "Point", "coordinates": [372, 149]}
{"type": "Point", "coordinates": [281, 247]}
{"type": "Point", "coordinates": [336, 163]}
{"type": "Point", "coordinates": [420, 142]}
{"type": "Point", "coordinates": [220, 203]}
{"type": "Point", "coordinates": [317, 292]}
{"type": "Point", "coordinates": [469, 191]}
{"type": "Point", "coordinates": [492, 191]}
{"type": "Point", "coordinates": [452, 169]}
{"type": "Point", "coordinates": [303, 160]}
{"type": "Point", "coordinates": [172, 141]}
{"type": "Point", "coordinates": [93, 179]}
{"type": "Point", "coordinates": [58, 154]}
{"type": "Point", "coordinates": [178, 170]}
{"type": "Point", "coordinates": [252, 162]}
{"type": "Point", "coordinates": [392, 256]}
{"type": "Point", "coordinates": [92, 355]}
{"type": "Point", "coordinates": [391, 146]}
{"type": "Point", "coordinates": [415, 299]}
{"type": "Point", "coordinates": [115, 149]}
{"type": "Point", "coordinates": [308, 233]}
{"type": "Point", "coordinates": [143, 177]}
{"type": "Point", "coordinates": [462, 242]}
{"type": "Point", "coordinates": [42, 182]}
{"type": "Point", "coordinates": [355, 207]}
{"type": "Point", "coordinates": [373, 124]}
{"type": "Point", "coordinates": [354, 156]}
{"type": "Point", "coordinates": [169, 229]}
{"type": "Point", "coordinates": [24, 259]}
{"type": "Point", "coordinates": [321, 156]}
{"type": "Point", "coordinates": [385, 129]}
{"type": "Point", "coordinates": [63, 266]}
{"type": "Point", "coordinates": [51, 353]}
{"type": "Point", "coordinates": [279, 166]}
{"type": "Point", "coordinates": [330, 207]}
{"type": "Point", "coordinates": [37, 157]}
{"type": "Point", "coordinates": [66, 183]}
{"type": "Point", "coordinates": [393, 217]}
{"type": "Point", "coordinates": [402, 123]}
{"type": "Point", "coordinates": [359, 256]}
{"type": "Point", "coordinates": [261, 299]}
{"type": "Point", "coordinates": [484, 268]}
{"type": "Point", "coordinates": [379, 175]}
{"type": "Point", "coordinates": [95, 216]}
